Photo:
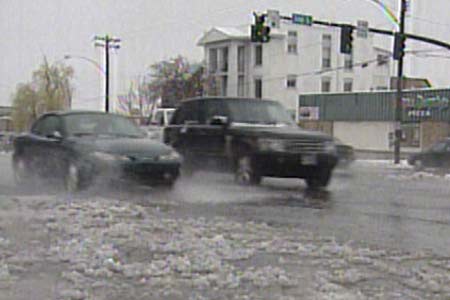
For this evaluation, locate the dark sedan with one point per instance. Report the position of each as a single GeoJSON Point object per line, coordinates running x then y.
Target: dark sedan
{"type": "Point", "coordinates": [79, 147]}
{"type": "Point", "coordinates": [437, 156]}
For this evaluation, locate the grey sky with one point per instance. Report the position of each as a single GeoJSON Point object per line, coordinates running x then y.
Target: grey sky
{"type": "Point", "coordinates": [150, 30]}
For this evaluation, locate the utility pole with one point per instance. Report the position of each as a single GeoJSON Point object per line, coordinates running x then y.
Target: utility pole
{"type": "Point", "coordinates": [107, 42]}
{"type": "Point", "coordinates": [398, 103]}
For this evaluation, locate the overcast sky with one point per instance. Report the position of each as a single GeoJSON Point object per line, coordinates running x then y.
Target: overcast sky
{"type": "Point", "coordinates": [150, 30]}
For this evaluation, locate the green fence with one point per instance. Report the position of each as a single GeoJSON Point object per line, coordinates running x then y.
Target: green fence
{"type": "Point", "coordinates": [418, 105]}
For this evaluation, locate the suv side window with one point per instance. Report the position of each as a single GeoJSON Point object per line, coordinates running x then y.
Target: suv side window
{"type": "Point", "coordinates": [38, 126]}
{"type": "Point", "coordinates": [47, 126]}
{"type": "Point", "coordinates": [211, 108]}
{"type": "Point", "coordinates": [187, 113]}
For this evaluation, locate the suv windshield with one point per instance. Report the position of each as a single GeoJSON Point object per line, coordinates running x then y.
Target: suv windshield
{"type": "Point", "coordinates": [258, 112]}
{"type": "Point", "coordinates": [100, 124]}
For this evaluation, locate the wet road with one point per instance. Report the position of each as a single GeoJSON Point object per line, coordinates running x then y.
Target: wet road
{"type": "Point", "coordinates": [376, 204]}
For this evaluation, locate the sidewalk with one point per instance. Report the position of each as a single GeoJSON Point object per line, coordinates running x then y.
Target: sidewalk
{"type": "Point", "coordinates": [383, 155]}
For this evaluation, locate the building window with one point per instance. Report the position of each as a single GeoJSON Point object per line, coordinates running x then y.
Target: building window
{"type": "Point", "coordinates": [348, 62]}
{"type": "Point", "coordinates": [213, 60]}
{"type": "Point", "coordinates": [212, 87]}
{"type": "Point", "coordinates": [223, 85]}
{"type": "Point", "coordinates": [292, 48]}
{"type": "Point", "coordinates": [326, 51]}
{"type": "Point", "coordinates": [292, 34]}
{"type": "Point", "coordinates": [292, 42]}
{"type": "Point", "coordinates": [258, 88]}
{"type": "Point", "coordinates": [224, 59]}
{"type": "Point", "coordinates": [326, 85]}
{"type": "Point", "coordinates": [241, 59]}
{"type": "Point", "coordinates": [258, 55]}
{"type": "Point", "coordinates": [241, 86]}
{"type": "Point", "coordinates": [411, 135]}
{"type": "Point", "coordinates": [348, 85]}
{"type": "Point", "coordinates": [291, 81]}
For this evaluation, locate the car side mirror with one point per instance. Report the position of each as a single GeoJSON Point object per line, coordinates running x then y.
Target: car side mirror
{"type": "Point", "coordinates": [219, 121]}
{"type": "Point", "coordinates": [55, 135]}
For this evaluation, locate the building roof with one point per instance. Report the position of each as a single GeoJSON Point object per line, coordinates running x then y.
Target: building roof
{"type": "Point", "coordinates": [220, 34]}
{"type": "Point", "coordinates": [239, 32]}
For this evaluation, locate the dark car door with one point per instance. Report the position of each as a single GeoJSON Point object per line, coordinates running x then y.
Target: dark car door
{"type": "Point", "coordinates": [180, 133]}
{"type": "Point", "coordinates": [210, 135]}
{"type": "Point", "coordinates": [48, 146]}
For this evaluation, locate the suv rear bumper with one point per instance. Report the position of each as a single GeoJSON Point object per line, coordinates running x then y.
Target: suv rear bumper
{"type": "Point", "coordinates": [292, 165]}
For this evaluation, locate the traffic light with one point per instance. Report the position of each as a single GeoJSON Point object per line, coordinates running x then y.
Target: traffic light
{"type": "Point", "coordinates": [346, 39]}
{"type": "Point", "coordinates": [260, 32]}
{"type": "Point", "coordinates": [399, 45]}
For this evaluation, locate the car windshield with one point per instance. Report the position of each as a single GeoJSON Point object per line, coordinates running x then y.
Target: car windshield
{"type": "Point", "coordinates": [100, 125]}
{"type": "Point", "coordinates": [258, 112]}
{"type": "Point", "coordinates": [438, 147]}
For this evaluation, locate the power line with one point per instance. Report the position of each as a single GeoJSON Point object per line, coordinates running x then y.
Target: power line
{"type": "Point", "coordinates": [425, 51]}
{"type": "Point", "coordinates": [429, 21]}
{"type": "Point", "coordinates": [432, 56]}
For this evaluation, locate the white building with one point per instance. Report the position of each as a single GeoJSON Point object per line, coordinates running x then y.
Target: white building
{"type": "Point", "coordinates": [430, 19]}
{"type": "Point", "coordinates": [298, 59]}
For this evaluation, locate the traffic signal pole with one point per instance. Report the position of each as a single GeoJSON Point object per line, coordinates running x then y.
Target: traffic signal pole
{"type": "Point", "coordinates": [398, 102]}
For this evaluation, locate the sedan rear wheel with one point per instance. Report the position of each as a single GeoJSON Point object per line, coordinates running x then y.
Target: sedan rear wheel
{"type": "Point", "coordinates": [245, 172]}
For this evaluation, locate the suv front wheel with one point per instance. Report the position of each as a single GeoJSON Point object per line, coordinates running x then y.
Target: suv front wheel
{"type": "Point", "coordinates": [246, 173]}
{"type": "Point", "coordinates": [319, 179]}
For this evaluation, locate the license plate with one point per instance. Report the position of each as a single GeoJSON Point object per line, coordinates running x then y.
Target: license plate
{"type": "Point", "coordinates": [309, 160]}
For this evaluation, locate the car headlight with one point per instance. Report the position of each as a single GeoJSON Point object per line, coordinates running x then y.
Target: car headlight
{"type": "Point", "coordinates": [330, 147]}
{"type": "Point", "coordinates": [172, 156]}
{"type": "Point", "coordinates": [109, 157]}
{"type": "Point", "coordinates": [271, 145]}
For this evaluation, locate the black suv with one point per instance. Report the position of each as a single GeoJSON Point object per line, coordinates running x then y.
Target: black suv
{"type": "Point", "coordinates": [251, 137]}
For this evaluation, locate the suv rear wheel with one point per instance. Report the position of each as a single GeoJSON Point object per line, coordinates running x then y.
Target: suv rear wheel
{"type": "Point", "coordinates": [246, 173]}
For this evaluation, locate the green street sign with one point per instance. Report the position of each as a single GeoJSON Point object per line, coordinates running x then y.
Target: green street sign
{"type": "Point", "coordinates": [302, 19]}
